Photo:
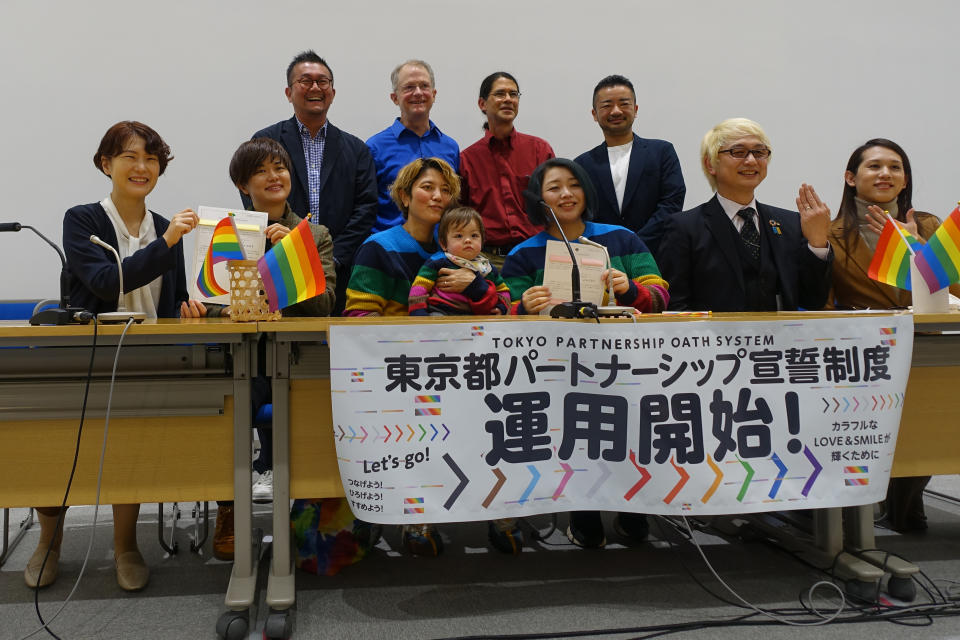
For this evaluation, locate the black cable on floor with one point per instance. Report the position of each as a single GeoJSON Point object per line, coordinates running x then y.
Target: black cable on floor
{"type": "Point", "coordinates": [66, 493]}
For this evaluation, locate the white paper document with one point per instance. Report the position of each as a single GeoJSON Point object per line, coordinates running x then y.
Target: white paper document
{"type": "Point", "coordinates": [557, 271]}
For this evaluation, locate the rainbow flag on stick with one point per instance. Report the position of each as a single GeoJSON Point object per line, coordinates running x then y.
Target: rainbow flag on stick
{"type": "Point", "coordinates": [224, 245]}
{"type": "Point", "coordinates": [938, 260]}
{"type": "Point", "coordinates": [291, 270]}
{"type": "Point", "coordinates": [891, 258]}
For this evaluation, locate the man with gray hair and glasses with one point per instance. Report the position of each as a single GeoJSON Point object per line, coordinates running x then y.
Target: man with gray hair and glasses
{"type": "Point", "coordinates": [412, 135]}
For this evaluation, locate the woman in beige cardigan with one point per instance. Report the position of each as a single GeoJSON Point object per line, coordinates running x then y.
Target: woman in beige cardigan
{"type": "Point", "coordinates": [878, 180]}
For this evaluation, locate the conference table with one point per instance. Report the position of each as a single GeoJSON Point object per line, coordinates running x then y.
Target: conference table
{"type": "Point", "coordinates": [182, 392]}
{"type": "Point", "coordinates": [187, 382]}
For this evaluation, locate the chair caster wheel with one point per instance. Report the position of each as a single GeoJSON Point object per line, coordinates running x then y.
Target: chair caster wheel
{"type": "Point", "coordinates": [233, 625]}
{"type": "Point", "coordinates": [862, 590]}
{"type": "Point", "coordinates": [902, 588]}
{"type": "Point", "coordinates": [279, 625]}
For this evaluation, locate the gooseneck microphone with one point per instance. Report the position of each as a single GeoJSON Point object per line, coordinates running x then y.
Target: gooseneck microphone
{"type": "Point", "coordinates": [576, 308]}
{"type": "Point", "coordinates": [610, 309]}
{"type": "Point", "coordinates": [64, 314]}
{"type": "Point", "coordinates": [121, 314]}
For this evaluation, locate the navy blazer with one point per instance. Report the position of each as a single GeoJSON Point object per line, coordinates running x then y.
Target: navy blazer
{"type": "Point", "coordinates": [701, 263]}
{"type": "Point", "coordinates": [94, 281]}
{"type": "Point", "coordinates": [654, 189]}
{"type": "Point", "coordinates": [348, 185]}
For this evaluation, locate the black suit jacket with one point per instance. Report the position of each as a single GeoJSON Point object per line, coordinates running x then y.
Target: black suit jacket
{"type": "Point", "coordinates": [348, 185]}
{"type": "Point", "coordinates": [653, 192]}
{"type": "Point", "coordinates": [701, 263]}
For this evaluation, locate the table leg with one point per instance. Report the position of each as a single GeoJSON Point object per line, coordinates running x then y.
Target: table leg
{"type": "Point", "coordinates": [281, 589]}
{"type": "Point", "coordinates": [243, 579]}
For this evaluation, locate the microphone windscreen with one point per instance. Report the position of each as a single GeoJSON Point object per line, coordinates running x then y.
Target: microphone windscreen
{"type": "Point", "coordinates": [10, 226]}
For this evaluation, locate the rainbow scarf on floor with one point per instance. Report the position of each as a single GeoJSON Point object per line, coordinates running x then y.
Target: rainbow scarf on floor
{"type": "Point", "coordinates": [322, 531]}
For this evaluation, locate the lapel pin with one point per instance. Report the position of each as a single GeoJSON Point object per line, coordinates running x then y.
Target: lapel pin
{"type": "Point", "coordinates": [776, 228]}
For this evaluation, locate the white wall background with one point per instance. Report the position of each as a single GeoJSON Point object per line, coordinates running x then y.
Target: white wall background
{"type": "Point", "coordinates": [821, 76]}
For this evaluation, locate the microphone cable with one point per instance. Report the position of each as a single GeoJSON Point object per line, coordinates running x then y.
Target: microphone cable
{"type": "Point", "coordinates": [103, 448]}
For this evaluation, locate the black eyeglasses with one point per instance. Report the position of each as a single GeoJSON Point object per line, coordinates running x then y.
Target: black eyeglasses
{"type": "Point", "coordinates": [740, 153]}
{"type": "Point", "coordinates": [307, 83]}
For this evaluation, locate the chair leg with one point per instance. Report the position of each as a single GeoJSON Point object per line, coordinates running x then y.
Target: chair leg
{"type": "Point", "coordinates": [173, 547]}
{"type": "Point", "coordinates": [9, 545]}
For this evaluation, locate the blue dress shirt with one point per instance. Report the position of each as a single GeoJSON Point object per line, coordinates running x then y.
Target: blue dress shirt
{"type": "Point", "coordinates": [395, 147]}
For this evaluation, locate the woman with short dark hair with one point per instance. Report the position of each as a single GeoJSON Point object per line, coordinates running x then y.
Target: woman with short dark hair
{"type": "Point", "coordinates": [133, 156]}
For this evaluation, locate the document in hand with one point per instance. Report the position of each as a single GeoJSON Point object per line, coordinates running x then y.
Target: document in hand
{"type": "Point", "coordinates": [557, 271]}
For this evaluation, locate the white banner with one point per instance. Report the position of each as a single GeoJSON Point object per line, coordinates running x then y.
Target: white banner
{"type": "Point", "coordinates": [453, 422]}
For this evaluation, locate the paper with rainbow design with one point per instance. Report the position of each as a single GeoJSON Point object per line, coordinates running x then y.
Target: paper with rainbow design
{"type": "Point", "coordinates": [250, 226]}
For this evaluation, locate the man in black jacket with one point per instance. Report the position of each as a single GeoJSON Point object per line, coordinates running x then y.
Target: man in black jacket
{"type": "Point", "coordinates": [334, 181]}
{"type": "Point", "coordinates": [733, 253]}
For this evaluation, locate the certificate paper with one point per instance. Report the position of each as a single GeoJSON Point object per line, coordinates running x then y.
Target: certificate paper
{"type": "Point", "coordinates": [557, 268]}
{"type": "Point", "coordinates": [251, 226]}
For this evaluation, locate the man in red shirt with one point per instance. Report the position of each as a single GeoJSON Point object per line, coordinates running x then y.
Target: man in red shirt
{"type": "Point", "coordinates": [495, 170]}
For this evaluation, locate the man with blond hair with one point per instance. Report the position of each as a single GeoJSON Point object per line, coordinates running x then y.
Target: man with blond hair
{"type": "Point", "coordinates": [733, 253]}
{"type": "Point", "coordinates": [412, 135]}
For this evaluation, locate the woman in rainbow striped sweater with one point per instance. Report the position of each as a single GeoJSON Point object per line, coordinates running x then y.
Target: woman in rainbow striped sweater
{"type": "Point", "coordinates": [564, 187]}
{"type": "Point", "coordinates": [387, 264]}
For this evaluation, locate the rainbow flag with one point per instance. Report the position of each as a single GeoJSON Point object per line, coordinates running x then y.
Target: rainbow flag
{"type": "Point", "coordinates": [891, 258]}
{"type": "Point", "coordinates": [291, 270]}
{"type": "Point", "coordinates": [224, 245]}
{"type": "Point", "coordinates": [939, 259]}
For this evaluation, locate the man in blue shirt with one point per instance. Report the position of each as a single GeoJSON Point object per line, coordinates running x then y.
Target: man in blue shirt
{"type": "Point", "coordinates": [413, 135]}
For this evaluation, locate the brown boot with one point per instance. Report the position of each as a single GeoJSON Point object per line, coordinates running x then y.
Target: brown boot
{"type": "Point", "coordinates": [223, 533]}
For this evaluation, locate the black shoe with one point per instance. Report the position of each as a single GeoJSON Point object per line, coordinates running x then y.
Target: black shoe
{"type": "Point", "coordinates": [586, 530]}
{"type": "Point", "coordinates": [366, 533]}
{"type": "Point", "coordinates": [505, 536]}
{"type": "Point", "coordinates": [632, 525]}
{"type": "Point", "coordinates": [421, 539]}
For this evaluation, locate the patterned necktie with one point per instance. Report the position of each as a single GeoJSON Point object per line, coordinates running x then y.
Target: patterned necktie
{"type": "Point", "coordinates": [749, 234]}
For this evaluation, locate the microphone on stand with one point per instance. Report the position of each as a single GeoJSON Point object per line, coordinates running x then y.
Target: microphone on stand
{"type": "Point", "coordinates": [121, 314]}
{"type": "Point", "coordinates": [576, 308]}
{"type": "Point", "coordinates": [64, 314]}
{"type": "Point", "coordinates": [609, 309]}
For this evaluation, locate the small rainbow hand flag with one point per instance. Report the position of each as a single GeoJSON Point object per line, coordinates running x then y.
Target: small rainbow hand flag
{"type": "Point", "coordinates": [938, 260]}
{"type": "Point", "coordinates": [291, 270]}
{"type": "Point", "coordinates": [891, 258]}
{"type": "Point", "coordinates": [224, 245]}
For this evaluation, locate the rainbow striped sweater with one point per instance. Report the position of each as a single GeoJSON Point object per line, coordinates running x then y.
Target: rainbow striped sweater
{"type": "Point", "coordinates": [482, 297]}
{"type": "Point", "coordinates": [523, 267]}
{"type": "Point", "coordinates": [383, 271]}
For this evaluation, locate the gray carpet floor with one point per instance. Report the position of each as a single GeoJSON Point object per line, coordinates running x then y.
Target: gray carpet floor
{"type": "Point", "coordinates": [553, 588]}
